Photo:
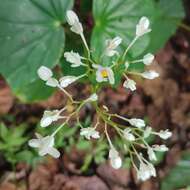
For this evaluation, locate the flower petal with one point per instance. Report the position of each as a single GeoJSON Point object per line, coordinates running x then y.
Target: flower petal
{"type": "Point", "coordinates": [34, 143]}
{"type": "Point", "coordinates": [52, 82]}
{"type": "Point", "coordinates": [54, 152]}
{"type": "Point", "coordinates": [71, 17]}
{"type": "Point", "coordinates": [44, 73]}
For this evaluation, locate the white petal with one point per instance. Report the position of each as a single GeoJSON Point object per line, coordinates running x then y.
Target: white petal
{"type": "Point", "coordinates": [67, 80]}
{"type": "Point", "coordinates": [54, 152]}
{"type": "Point", "coordinates": [146, 171]}
{"type": "Point", "coordinates": [45, 121]}
{"type": "Point", "coordinates": [111, 76]}
{"type": "Point", "coordinates": [52, 82]}
{"type": "Point", "coordinates": [43, 152]}
{"type": "Point", "coordinates": [44, 73]}
{"type": "Point", "coordinates": [73, 58]}
{"type": "Point", "coordinates": [111, 53]}
{"type": "Point", "coordinates": [34, 143]}
{"type": "Point", "coordinates": [116, 163]}
{"type": "Point", "coordinates": [165, 134]}
{"type": "Point", "coordinates": [99, 77]}
{"type": "Point", "coordinates": [137, 122]}
{"type": "Point", "coordinates": [160, 148]}
{"type": "Point", "coordinates": [142, 27]}
{"type": "Point", "coordinates": [111, 45]}
{"type": "Point", "coordinates": [128, 135]}
{"type": "Point", "coordinates": [77, 28]}
{"type": "Point", "coordinates": [150, 74]}
{"type": "Point", "coordinates": [147, 132]}
{"type": "Point", "coordinates": [89, 132]}
{"type": "Point", "coordinates": [144, 21]}
{"type": "Point", "coordinates": [131, 84]}
{"type": "Point", "coordinates": [148, 59]}
{"type": "Point", "coordinates": [117, 41]}
{"type": "Point", "coordinates": [96, 135]}
{"type": "Point", "coordinates": [71, 17]}
{"type": "Point", "coordinates": [96, 66]}
{"type": "Point", "coordinates": [151, 154]}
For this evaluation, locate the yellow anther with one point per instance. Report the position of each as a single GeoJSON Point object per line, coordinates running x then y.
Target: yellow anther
{"type": "Point", "coordinates": [104, 73]}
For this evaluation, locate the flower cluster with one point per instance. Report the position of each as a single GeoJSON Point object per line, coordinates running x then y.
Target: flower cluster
{"type": "Point", "coordinates": [134, 132]}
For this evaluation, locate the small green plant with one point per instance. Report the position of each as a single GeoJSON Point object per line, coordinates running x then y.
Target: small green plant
{"type": "Point", "coordinates": [13, 145]}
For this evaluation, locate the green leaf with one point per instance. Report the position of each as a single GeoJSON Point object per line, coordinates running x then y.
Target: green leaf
{"type": "Point", "coordinates": [34, 92]}
{"type": "Point", "coordinates": [3, 131]}
{"type": "Point", "coordinates": [83, 144]}
{"type": "Point", "coordinates": [29, 157]}
{"type": "Point", "coordinates": [31, 35]}
{"type": "Point", "coordinates": [73, 42]}
{"type": "Point", "coordinates": [86, 164]}
{"type": "Point", "coordinates": [167, 17]}
{"type": "Point", "coordinates": [119, 18]}
{"type": "Point", "coordinates": [179, 176]}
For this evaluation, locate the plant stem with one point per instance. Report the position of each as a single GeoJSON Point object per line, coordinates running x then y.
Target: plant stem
{"type": "Point", "coordinates": [85, 44]}
{"type": "Point", "coordinates": [129, 47]}
{"type": "Point", "coordinates": [184, 26]}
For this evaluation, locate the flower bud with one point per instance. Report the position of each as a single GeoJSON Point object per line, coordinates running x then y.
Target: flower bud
{"type": "Point", "coordinates": [148, 59]}
{"type": "Point", "coordinates": [44, 73]}
{"type": "Point", "coordinates": [150, 74]}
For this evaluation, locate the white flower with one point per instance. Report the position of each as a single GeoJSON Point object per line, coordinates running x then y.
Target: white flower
{"type": "Point", "coordinates": [131, 84]}
{"type": "Point", "coordinates": [92, 98]}
{"type": "Point", "coordinates": [73, 58]}
{"type": "Point", "coordinates": [73, 21]}
{"type": "Point", "coordinates": [128, 135]}
{"type": "Point", "coordinates": [151, 154]}
{"type": "Point", "coordinates": [49, 117]}
{"type": "Point", "coordinates": [89, 132]}
{"type": "Point", "coordinates": [44, 73]}
{"type": "Point", "coordinates": [146, 171]}
{"type": "Point", "coordinates": [160, 148]}
{"type": "Point", "coordinates": [137, 122]}
{"type": "Point", "coordinates": [45, 145]}
{"type": "Point", "coordinates": [77, 28]}
{"type": "Point", "coordinates": [115, 159]}
{"type": "Point", "coordinates": [111, 45]}
{"type": "Point", "coordinates": [143, 27]}
{"type": "Point", "coordinates": [71, 17]}
{"type": "Point", "coordinates": [147, 132]}
{"type": "Point", "coordinates": [150, 74]}
{"type": "Point", "coordinates": [104, 74]}
{"type": "Point", "coordinates": [165, 134]}
{"type": "Point", "coordinates": [148, 59]}
{"type": "Point", "coordinates": [67, 80]}
{"type": "Point", "coordinates": [52, 82]}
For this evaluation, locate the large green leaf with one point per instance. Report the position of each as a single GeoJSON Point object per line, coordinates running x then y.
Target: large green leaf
{"type": "Point", "coordinates": [31, 35]}
{"type": "Point", "coordinates": [119, 18]}
{"type": "Point", "coordinates": [34, 91]}
{"type": "Point", "coordinates": [167, 16]}
{"type": "Point", "coordinates": [179, 176]}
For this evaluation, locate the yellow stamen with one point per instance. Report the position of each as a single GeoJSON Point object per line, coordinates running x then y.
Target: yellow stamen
{"type": "Point", "coordinates": [104, 73]}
